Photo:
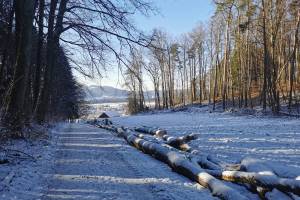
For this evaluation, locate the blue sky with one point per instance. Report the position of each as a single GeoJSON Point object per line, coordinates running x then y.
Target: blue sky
{"type": "Point", "coordinates": [175, 17]}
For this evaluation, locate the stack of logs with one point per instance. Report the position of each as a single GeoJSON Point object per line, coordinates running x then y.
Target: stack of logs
{"type": "Point", "coordinates": [203, 168]}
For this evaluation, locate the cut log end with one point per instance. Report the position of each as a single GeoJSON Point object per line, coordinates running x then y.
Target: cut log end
{"type": "Point", "coordinates": [160, 133]}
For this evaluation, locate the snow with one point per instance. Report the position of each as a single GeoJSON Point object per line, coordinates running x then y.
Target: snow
{"type": "Point", "coordinates": [21, 178]}
{"type": "Point", "coordinates": [83, 162]}
{"type": "Point", "coordinates": [232, 137]}
{"type": "Point", "coordinates": [276, 194]}
{"type": "Point", "coordinates": [116, 109]}
{"type": "Point", "coordinates": [79, 161]}
{"type": "Point", "coordinates": [267, 145]}
{"type": "Point", "coordinates": [270, 167]}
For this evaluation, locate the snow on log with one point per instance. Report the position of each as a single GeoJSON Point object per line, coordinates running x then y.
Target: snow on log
{"type": "Point", "coordinates": [204, 168]}
{"type": "Point", "coordinates": [293, 196]}
{"type": "Point", "coordinates": [152, 131]}
{"type": "Point", "coordinates": [179, 163]}
{"type": "Point", "coordinates": [255, 165]}
{"type": "Point", "coordinates": [148, 138]}
{"type": "Point", "coordinates": [181, 144]}
{"type": "Point", "coordinates": [276, 194]}
{"type": "Point", "coordinates": [224, 165]}
{"type": "Point", "coordinates": [204, 162]}
{"type": "Point", "coordinates": [262, 180]}
{"type": "Point", "coordinates": [265, 167]}
{"type": "Point", "coordinates": [176, 142]}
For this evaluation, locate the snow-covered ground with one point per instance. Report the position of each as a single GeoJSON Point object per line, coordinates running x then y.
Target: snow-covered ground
{"type": "Point", "coordinates": [29, 160]}
{"type": "Point", "coordinates": [97, 108]}
{"type": "Point", "coordinates": [83, 162]}
{"type": "Point", "coordinates": [92, 163]}
{"type": "Point", "coordinates": [229, 136]}
{"type": "Point", "coordinates": [79, 161]}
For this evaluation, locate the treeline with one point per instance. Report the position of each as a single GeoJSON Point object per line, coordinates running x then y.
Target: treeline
{"type": "Point", "coordinates": [42, 41]}
{"type": "Point", "coordinates": [247, 55]}
{"type": "Point", "coordinates": [34, 86]}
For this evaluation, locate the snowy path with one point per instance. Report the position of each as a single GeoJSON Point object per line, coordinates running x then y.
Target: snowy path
{"type": "Point", "coordinates": [91, 163]}
{"type": "Point", "coordinates": [84, 162]}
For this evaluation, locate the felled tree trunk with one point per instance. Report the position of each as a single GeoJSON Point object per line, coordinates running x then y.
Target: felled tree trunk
{"type": "Point", "coordinates": [265, 181]}
{"type": "Point", "coordinates": [152, 131]}
{"type": "Point", "coordinates": [179, 163]}
{"type": "Point", "coordinates": [176, 142]}
{"type": "Point", "coordinates": [181, 144]}
{"type": "Point", "coordinates": [191, 165]}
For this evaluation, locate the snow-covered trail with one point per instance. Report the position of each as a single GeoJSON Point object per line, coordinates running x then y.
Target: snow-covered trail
{"type": "Point", "coordinates": [91, 163]}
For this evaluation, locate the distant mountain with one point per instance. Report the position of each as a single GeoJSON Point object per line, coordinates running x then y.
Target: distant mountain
{"type": "Point", "coordinates": [104, 94]}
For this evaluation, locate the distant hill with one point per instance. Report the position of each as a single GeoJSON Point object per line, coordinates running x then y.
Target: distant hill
{"type": "Point", "coordinates": [106, 94]}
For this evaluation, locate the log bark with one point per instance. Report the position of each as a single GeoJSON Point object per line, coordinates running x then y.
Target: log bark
{"type": "Point", "coordinates": [176, 142]}
{"type": "Point", "coordinates": [193, 164]}
{"type": "Point", "coordinates": [265, 181]}
{"type": "Point", "coordinates": [276, 194]}
{"type": "Point", "coordinates": [180, 143]}
{"type": "Point", "coordinates": [178, 162]}
{"type": "Point", "coordinates": [152, 131]}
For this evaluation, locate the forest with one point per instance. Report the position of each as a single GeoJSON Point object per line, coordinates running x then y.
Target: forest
{"type": "Point", "coordinates": [42, 42]}
{"type": "Point", "coordinates": [247, 55]}
{"type": "Point", "coordinates": [222, 123]}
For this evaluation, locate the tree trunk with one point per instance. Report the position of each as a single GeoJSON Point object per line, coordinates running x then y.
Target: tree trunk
{"type": "Point", "coordinates": [293, 60]}
{"type": "Point", "coordinates": [42, 105]}
{"type": "Point", "coordinates": [52, 48]}
{"type": "Point", "coordinates": [37, 81]}
{"type": "Point", "coordinates": [266, 58]}
{"type": "Point", "coordinates": [16, 112]}
{"type": "Point", "coordinates": [225, 67]}
{"type": "Point", "coordinates": [5, 57]}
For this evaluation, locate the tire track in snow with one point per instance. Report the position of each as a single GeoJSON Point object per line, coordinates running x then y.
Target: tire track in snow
{"type": "Point", "coordinates": [91, 163]}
